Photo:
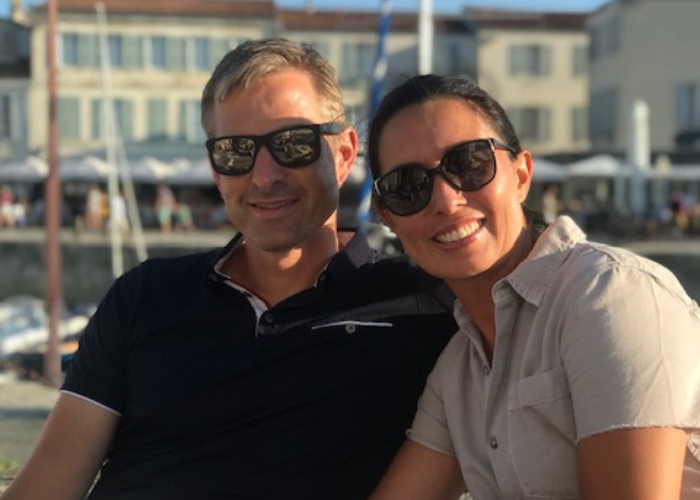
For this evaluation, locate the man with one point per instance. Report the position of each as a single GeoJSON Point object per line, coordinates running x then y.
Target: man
{"type": "Point", "coordinates": [286, 365]}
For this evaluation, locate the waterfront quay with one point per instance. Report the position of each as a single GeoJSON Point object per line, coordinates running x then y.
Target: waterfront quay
{"type": "Point", "coordinates": [87, 258]}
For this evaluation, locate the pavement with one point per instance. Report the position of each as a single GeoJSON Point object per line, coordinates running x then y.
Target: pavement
{"type": "Point", "coordinates": [24, 407]}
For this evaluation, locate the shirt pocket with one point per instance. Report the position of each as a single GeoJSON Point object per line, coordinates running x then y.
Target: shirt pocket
{"type": "Point", "coordinates": [542, 436]}
{"type": "Point", "coordinates": [352, 326]}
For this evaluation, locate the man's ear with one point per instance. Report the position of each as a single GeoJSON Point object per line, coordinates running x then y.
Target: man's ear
{"type": "Point", "coordinates": [523, 174]}
{"type": "Point", "coordinates": [217, 178]}
{"type": "Point", "coordinates": [347, 153]}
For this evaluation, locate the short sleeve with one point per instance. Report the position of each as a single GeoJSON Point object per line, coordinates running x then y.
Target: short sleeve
{"type": "Point", "coordinates": [630, 350]}
{"type": "Point", "coordinates": [430, 427]}
{"type": "Point", "coordinates": [97, 370]}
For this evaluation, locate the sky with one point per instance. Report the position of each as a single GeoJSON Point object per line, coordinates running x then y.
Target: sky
{"type": "Point", "coordinates": [441, 6]}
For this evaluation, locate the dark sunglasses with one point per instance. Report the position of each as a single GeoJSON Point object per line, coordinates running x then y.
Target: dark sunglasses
{"type": "Point", "coordinates": [468, 166]}
{"type": "Point", "coordinates": [291, 147]}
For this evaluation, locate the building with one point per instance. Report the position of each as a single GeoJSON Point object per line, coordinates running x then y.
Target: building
{"type": "Point", "coordinates": [645, 50]}
{"type": "Point", "coordinates": [14, 84]}
{"type": "Point", "coordinates": [536, 65]}
{"type": "Point", "coordinates": [151, 59]}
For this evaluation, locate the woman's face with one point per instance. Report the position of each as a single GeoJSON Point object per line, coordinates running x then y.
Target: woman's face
{"type": "Point", "coordinates": [458, 235]}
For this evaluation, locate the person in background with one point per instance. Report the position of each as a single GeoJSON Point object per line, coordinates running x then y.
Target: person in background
{"type": "Point", "coordinates": [287, 364]}
{"type": "Point", "coordinates": [575, 372]}
{"type": "Point", "coordinates": [95, 212]}
{"type": "Point", "coordinates": [165, 207]}
{"type": "Point", "coordinates": [7, 201]}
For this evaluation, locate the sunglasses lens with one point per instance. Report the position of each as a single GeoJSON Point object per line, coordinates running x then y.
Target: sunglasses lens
{"type": "Point", "coordinates": [470, 166]}
{"type": "Point", "coordinates": [405, 190]}
{"type": "Point", "coordinates": [467, 167]}
{"type": "Point", "coordinates": [296, 147]}
{"type": "Point", "coordinates": [233, 156]}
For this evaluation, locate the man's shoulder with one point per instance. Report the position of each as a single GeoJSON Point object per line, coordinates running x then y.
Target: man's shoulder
{"type": "Point", "coordinates": [172, 270]}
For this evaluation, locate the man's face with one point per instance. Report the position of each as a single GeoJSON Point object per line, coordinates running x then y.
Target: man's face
{"type": "Point", "coordinates": [277, 208]}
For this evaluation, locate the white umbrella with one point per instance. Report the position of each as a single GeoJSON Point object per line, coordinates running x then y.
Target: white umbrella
{"type": "Point", "coordinates": [598, 166]}
{"type": "Point", "coordinates": [548, 171]}
{"type": "Point", "coordinates": [31, 169]}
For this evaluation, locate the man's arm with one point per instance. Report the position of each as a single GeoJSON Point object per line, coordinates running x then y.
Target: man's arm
{"type": "Point", "coordinates": [419, 473]}
{"type": "Point", "coordinates": [70, 451]}
{"type": "Point", "coordinates": [637, 464]}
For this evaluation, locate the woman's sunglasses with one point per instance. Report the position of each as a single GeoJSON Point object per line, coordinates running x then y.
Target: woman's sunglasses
{"type": "Point", "coordinates": [290, 147]}
{"type": "Point", "coordinates": [468, 166]}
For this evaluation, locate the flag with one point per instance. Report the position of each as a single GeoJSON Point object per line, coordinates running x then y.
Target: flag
{"type": "Point", "coordinates": [378, 77]}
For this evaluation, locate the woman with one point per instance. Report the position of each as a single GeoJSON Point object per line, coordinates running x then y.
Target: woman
{"type": "Point", "coordinates": [575, 372]}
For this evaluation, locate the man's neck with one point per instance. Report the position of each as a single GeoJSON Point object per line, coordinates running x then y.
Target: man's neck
{"type": "Point", "coordinates": [275, 276]}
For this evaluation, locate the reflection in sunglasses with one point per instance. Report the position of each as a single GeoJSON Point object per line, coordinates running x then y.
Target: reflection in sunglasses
{"type": "Point", "coordinates": [293, 147]}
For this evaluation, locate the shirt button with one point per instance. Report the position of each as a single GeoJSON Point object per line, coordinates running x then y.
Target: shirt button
{"type": "Point", "coordinates": [350, 328]}
{"type": "Point", "coordinates": [493, 442]}
{"type": "Point", "coordinates": [486, 369]}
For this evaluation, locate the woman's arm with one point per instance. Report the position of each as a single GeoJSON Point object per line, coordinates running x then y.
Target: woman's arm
{"type": "Point", "coordinates": [632, 464]}
{"type": "Point", "coordinates": [419, 473]}
{"type": "Point", "coordinates": [70, 451]}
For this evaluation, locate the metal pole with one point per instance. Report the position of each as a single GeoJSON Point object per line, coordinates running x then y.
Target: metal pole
{"type": "Point", "coordinates": [425, 37]}
{"type": "Point", "coordinates": [52, 193]}
{"type": "Point", "coordinates": [115, 236]}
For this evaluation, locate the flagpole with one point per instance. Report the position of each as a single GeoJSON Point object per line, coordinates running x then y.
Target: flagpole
{"type": "Point", "coordinates": [425, 37]}
{"type": "Point", "coordinates": [377, 90]}
{"type": "Point", "coordinates": [52, 214]}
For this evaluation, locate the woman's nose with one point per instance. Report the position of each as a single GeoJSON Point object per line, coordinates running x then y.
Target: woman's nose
{"type": "Point", "coordinates": [445, 197]}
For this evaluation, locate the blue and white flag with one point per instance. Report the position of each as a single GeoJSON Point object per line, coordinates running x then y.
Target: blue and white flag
{"type": "Point", "coordinates": [378, 77]}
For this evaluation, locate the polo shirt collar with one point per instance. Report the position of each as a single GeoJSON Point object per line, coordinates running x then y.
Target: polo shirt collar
{"type": "Point", "coordinates": [356, 253]}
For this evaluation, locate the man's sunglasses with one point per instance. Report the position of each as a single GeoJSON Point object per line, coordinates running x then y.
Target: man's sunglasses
{"type": "Point", "coordinates": [291, 147]}
{"type": "Point", "coordinates": [468, 166]}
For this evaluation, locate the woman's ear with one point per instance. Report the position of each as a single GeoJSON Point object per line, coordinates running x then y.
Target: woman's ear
{"type": "Point", "coordinates": [523, 174]}
{"type": "Point", "coordinates": [384, 214]}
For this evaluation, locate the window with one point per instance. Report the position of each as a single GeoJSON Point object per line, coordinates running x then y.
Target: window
{"type": "Point", "coordinates": [532, 124]}
{"type": "Point", "coordinates": [96, 120]}
{"type": "Point", "coordinates": [446, 57]}
{"type": "Point", "coordinates": [134, 49]}
{"type": "Point", "coordinates": [157, 119]}
{"type": "Point", "coordinates": [175, 54]}
{"type": "Point", "coordinates": [579, 124]}
{"type": "Point", "coordinates": [69, 49]}
{"type": "Point", "coordinates": [605, 38]}
{"type": "Point", "coordinates": [602, 120]}
{"type": "Point", "coordinates": [687, 107]}
{"type": "Point", "coordinates": [68, 115]}
{"type": "Point", "coordinates": [534, 60]}
{"type": "Point", "coordinates": [158, 52]}
{"type": "Point", "coordinates": [123, 120]}
{"type": "Point", "coordinates": [123, 111]}
{"type": "Point", "coordinates": [5, 117]}
{"type": "Point", "coordinates": [115, 44]}
{"type": "Point", "coordinates": [200, 54]}
{"type": "Point", "coordinates": [357, 63]}
{"type": "Point", "coordinates": [580, 60]}
{"type": "Point", "coordinates": [190, 127]}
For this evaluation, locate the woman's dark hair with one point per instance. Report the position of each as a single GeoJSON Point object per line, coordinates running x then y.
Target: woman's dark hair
{"type": "Point", "coordinates": [423, 88]}
{"type": "Point", "coordinates": [420, 89]}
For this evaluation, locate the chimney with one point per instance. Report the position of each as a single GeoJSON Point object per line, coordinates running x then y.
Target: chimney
{"type": "Point", "coordinates": [17, 15]}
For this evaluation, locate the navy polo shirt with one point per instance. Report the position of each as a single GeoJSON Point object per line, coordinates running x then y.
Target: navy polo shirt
{"type": "Point", "coordinates": [310, 402]}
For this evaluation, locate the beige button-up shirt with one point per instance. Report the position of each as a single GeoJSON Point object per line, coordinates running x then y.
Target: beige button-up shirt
{"type": "Point", "coordinates": [589, 338]}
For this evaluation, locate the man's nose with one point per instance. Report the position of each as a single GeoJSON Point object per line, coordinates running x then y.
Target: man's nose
{"type": "Point", "coordinates": [266, 171]}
